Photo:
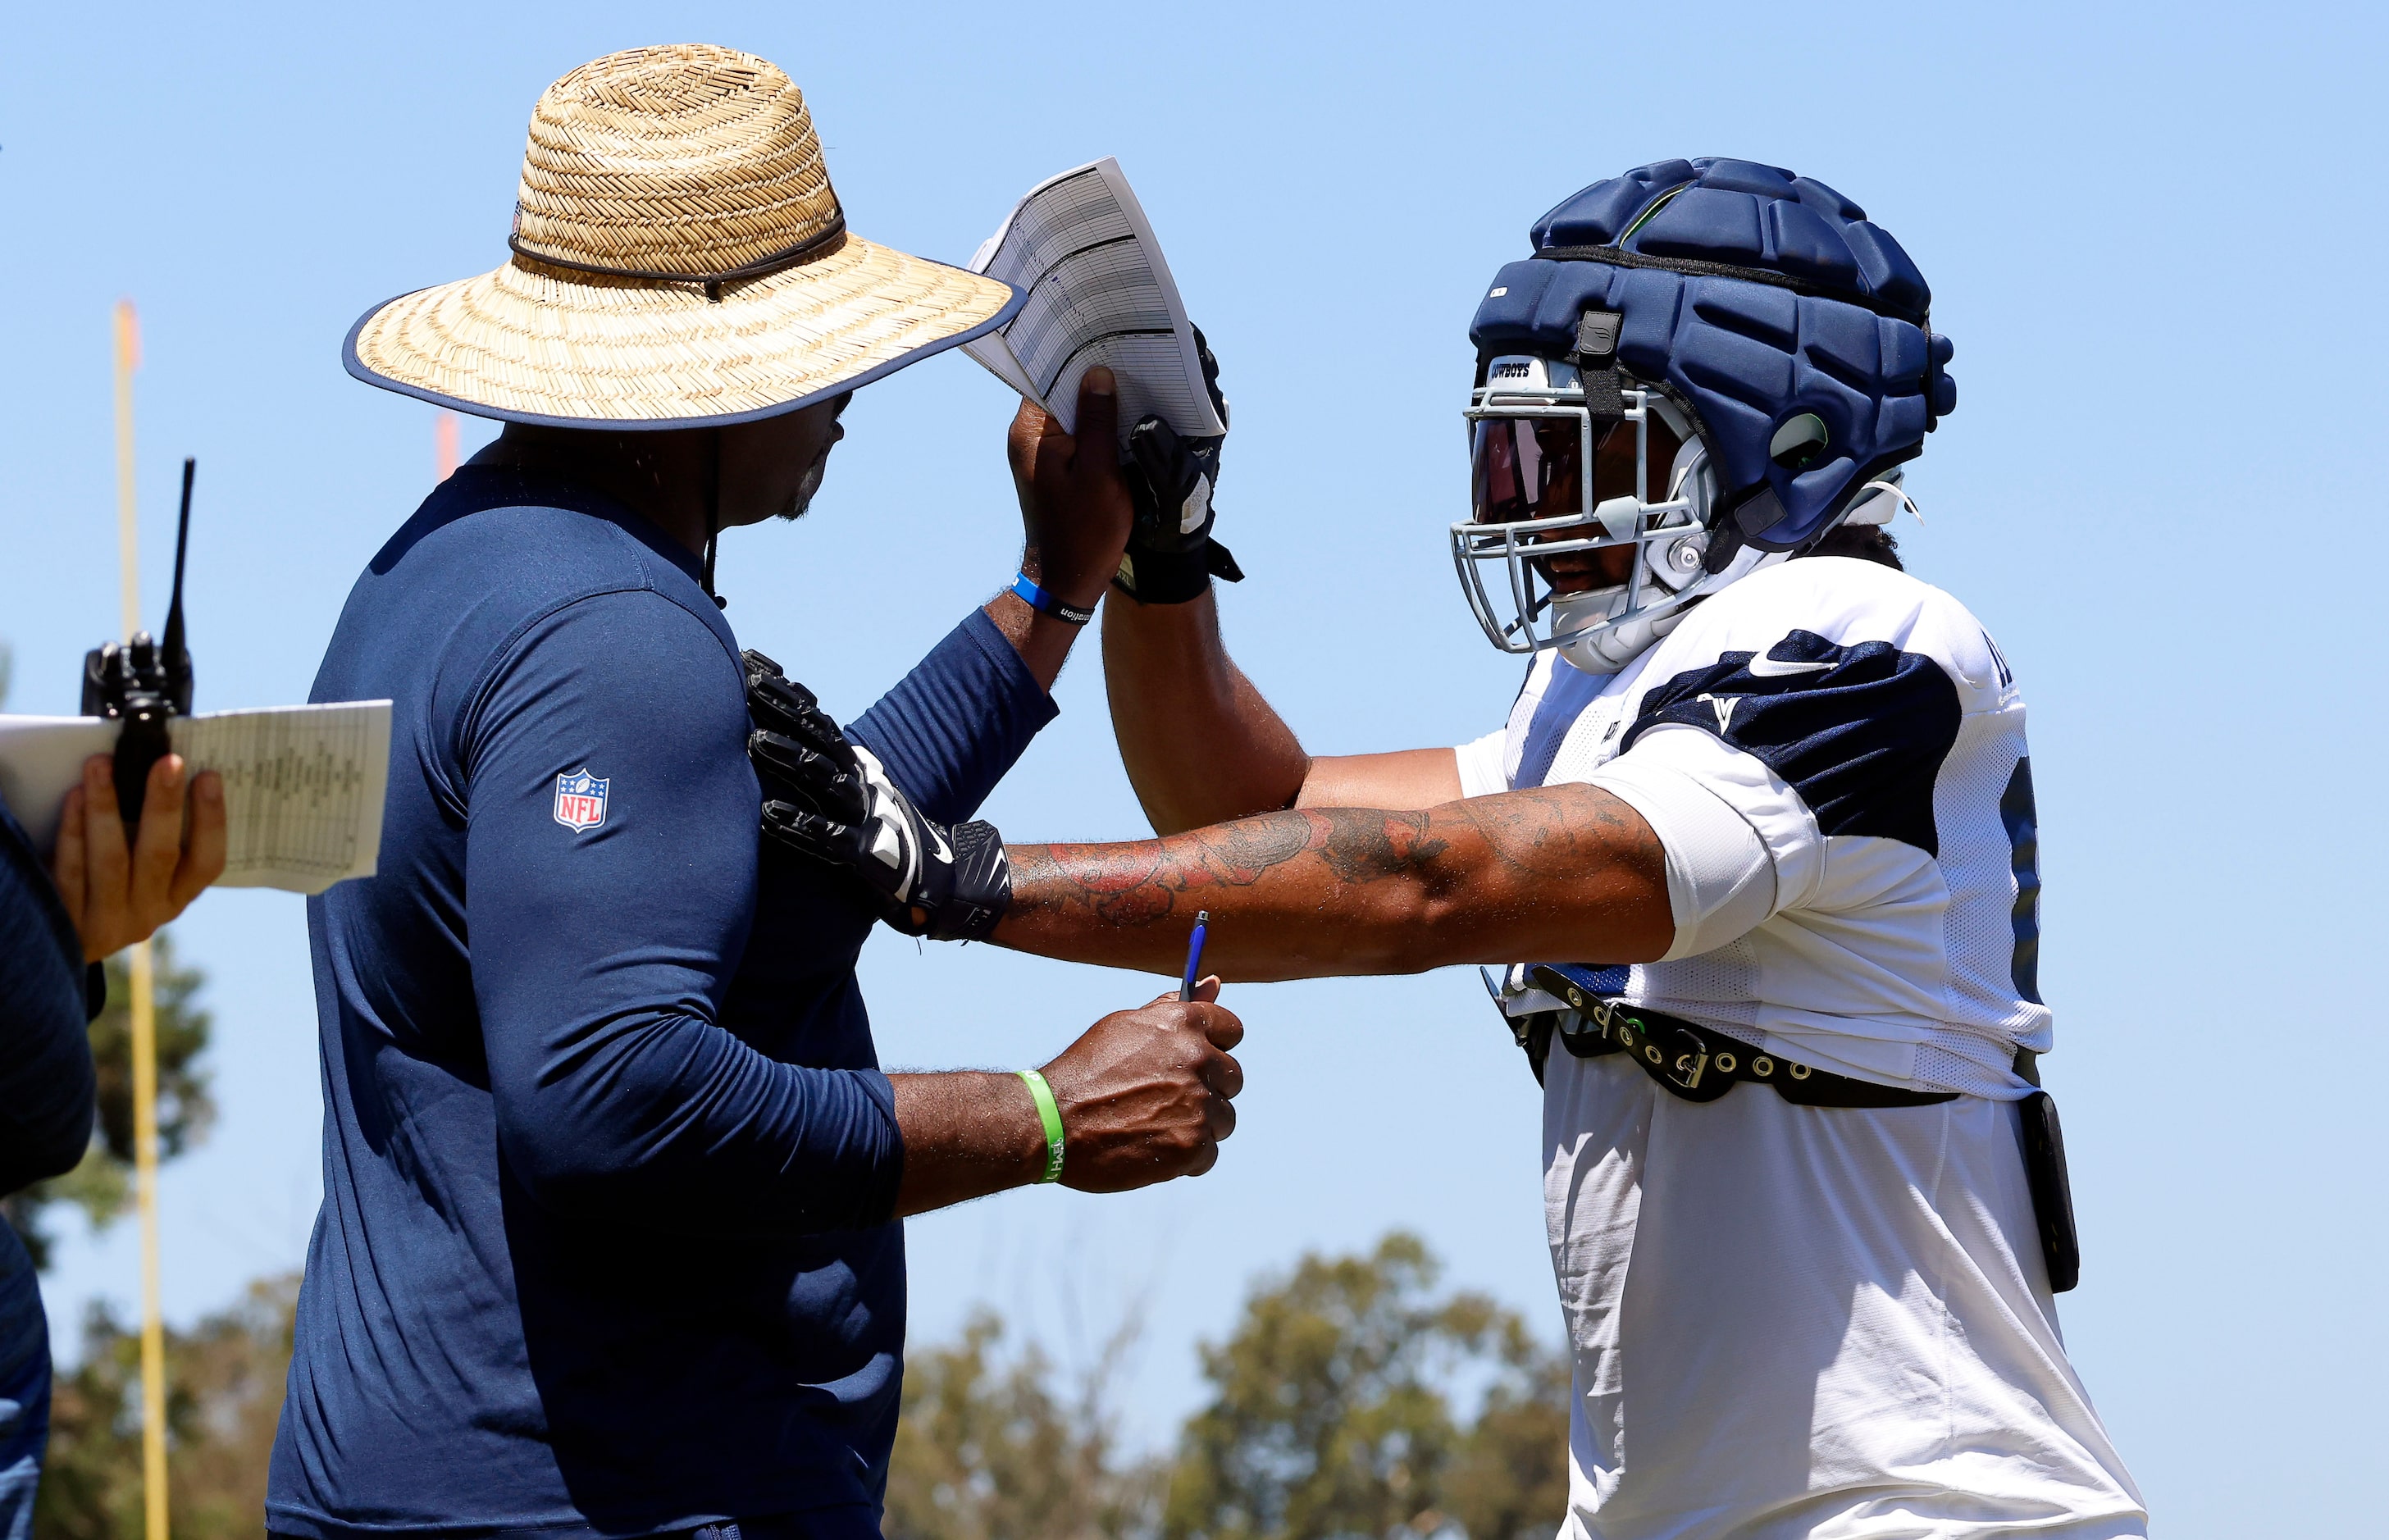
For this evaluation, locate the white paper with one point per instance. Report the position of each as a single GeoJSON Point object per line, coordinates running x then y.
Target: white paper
{"type": "Point", "coordinates": [41, 759]}
{"type": "Point", "coordinates": [303, 785]}
{"type": "Point", "coordinates": [1098, 292]}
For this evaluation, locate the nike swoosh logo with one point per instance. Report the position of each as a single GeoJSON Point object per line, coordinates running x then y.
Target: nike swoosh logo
{"type": "Point", "coordinates": [1763, 666]}
{"type": "Point", "coordinates": [945, 851]}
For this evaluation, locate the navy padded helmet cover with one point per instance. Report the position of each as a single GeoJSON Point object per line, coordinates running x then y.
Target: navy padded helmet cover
{"type": "Point", "coordinates": [1744, 355]}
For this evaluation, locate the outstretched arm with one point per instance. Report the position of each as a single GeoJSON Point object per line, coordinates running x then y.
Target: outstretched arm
{"type": "Point", "coordinates": [1566, 871]}
{"type": "Point", "coordinates": [1202, 746]}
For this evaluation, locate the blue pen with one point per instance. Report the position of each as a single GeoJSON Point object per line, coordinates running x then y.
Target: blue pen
{"type": "Point", "coordinates": [1194, 955]}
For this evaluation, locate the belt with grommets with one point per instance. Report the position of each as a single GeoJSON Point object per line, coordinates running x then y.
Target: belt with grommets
{"type": "Point", "coordinates": [1697, 1062]}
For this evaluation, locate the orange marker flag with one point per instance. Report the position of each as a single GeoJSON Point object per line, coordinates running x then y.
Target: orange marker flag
{"type": "Point", "coordinates": [128, 336]}
{"type": "Point", "coordinates": [128, 359]}
{"type": "Point", "coordinates": [443, 446]}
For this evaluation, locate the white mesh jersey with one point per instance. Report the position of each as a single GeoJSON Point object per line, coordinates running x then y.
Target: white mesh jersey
{"type": "Point", "coordinates": [1859, 734]}
{"type": "Point", "coordinates": [1806, 1323]}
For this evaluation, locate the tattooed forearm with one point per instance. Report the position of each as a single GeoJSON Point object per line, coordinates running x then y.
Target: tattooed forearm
{"type": "Point", "coordinates": [1362, 846]}
{"type": "Point", "coordinates": [1552, 832]}
{"type": "Point", "coordinates": [1321, 890]}
{"type": "Point", "coordinates": [1137, 882]}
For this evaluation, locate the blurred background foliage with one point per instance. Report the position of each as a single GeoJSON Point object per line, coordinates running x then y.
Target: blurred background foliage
{"type": "Point", "coordinates": [1353, 1398]}
{"type": "Point", "coordinates": [223, 1392]}
{"type": "Point", "coordinates": [1338, 1410]}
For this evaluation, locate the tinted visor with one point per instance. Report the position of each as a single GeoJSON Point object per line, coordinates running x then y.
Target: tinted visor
{"type": "Point", "coordinates": [1528, 467]}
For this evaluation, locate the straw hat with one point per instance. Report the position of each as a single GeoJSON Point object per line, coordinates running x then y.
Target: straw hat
{"type": "Point", "coordinates": [680, 261]}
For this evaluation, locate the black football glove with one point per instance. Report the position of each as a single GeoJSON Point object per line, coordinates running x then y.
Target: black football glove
{"type": "Point", "coordinates": [1171, 557]}
{"type": "Point", "coordinates": [832, 802]}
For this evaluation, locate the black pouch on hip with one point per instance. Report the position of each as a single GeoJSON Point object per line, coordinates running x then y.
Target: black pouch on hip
{"type": "Point", "coordinates": [2053, 1195]}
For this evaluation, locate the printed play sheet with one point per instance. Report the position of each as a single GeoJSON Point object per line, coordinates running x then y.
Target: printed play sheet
{"type": "Point", "coordinates": [1098, 292]}
{"type": "Point", "coordinates": [303, 785]}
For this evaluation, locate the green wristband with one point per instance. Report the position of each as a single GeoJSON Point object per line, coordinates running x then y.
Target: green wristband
{"type": "Point", "coordinates": [1049, 1115]}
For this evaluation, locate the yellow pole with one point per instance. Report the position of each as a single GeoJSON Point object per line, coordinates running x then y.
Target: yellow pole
{"type": "Point", "coordinates": [145, 1002]}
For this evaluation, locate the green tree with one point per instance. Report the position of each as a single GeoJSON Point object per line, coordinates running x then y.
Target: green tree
{"type": "Point", "coordinates": [1333, 1412]}
{"type": "Point", "coordinates": [990, 1450]}
{"type": "Point", "coordinates": [224, 1379]}
{"type": "Point", "coordinates": [102, 1185]}
{"type": "Point", "coordinates": [1510, 1482]}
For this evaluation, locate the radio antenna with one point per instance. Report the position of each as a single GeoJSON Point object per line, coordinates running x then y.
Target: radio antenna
{"type": "Point", "coordinates": [176, 660]}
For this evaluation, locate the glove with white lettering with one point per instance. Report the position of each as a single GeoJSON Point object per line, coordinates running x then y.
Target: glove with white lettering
{"type": "Point", "coordinates": [833, 802]}
{"type": "Point", "coordinates": [1171, 557]}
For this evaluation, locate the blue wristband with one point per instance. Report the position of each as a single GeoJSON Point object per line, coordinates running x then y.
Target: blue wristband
{"type": "Point", "coordinates": [1045, 604]}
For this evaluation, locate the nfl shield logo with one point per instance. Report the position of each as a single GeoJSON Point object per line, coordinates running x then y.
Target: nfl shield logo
{"type": "Point", "coordinates": [580, 799]}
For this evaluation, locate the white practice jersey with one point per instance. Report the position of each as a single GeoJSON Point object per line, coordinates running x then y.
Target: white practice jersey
{"type": "Point", "coordinates": [1811, 1322]}
{"type": "Point", "coordinates": [1858, 733]}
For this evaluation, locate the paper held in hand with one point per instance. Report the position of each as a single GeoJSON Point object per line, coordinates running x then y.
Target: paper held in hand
{"type": "Point", "coordinates": [1098, 292]}
{"type": "Point", "coordinates": [303, 785]}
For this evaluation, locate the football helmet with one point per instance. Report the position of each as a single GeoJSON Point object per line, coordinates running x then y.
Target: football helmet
{"type": "Point", "coordinates": [1773, 332]}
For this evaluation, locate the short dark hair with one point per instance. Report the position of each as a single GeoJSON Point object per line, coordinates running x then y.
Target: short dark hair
{"type": "Point", "coordinates": [1867, 542]}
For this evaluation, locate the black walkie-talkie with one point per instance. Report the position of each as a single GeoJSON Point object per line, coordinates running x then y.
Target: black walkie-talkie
{"type": "Point", "coordinates": [141, 683]}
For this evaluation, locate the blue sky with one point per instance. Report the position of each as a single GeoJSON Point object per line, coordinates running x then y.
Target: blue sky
{"type": "Point", "coordinates": [2153, 233]}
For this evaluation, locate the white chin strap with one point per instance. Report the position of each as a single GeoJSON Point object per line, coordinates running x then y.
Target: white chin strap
{"type": "Point", "coordinates": [1607, 643]}
{"type": "Point", "coordinates": [1596, 648]}
{"type": "Point", "coordinates": [1605, 649]}
{"type": "Point", "coordinates": [1881, 500]}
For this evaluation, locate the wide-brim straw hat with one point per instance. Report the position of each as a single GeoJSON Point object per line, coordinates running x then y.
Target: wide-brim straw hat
{"type": "Point", "coordinates": [681, 261]}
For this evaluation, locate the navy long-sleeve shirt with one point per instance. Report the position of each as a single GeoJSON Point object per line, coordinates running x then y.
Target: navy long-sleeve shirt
{"type": "Point", "coordinates": [607, 1159]}
{"type": "Point", "coordinates": [46, 1088]}
{"type": "Point", "coordinates": [47, 1078]}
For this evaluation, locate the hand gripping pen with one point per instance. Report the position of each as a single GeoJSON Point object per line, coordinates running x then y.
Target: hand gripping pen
{"type": "Point", "coordinates": [1194, 955]}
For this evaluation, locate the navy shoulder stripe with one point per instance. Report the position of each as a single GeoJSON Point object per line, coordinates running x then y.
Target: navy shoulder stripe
{"type": "Point", "coordinates": [2024, 847]}
{"type": "Point", "coordinates": [1858, 732]}
{"type": "Point", "coordinates": [1566, 694]}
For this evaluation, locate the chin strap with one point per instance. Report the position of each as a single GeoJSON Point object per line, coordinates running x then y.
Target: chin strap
{"type": "Point", "coordinates": [712, 513]}
{"type": "Point", "coordinates": [1894, 488]}
{"type": "Point", "coordinates": [1596, 360]}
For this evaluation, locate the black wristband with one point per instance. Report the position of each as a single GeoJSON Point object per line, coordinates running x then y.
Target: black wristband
{"type": "Point", "coordinates": [1045, 604]}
